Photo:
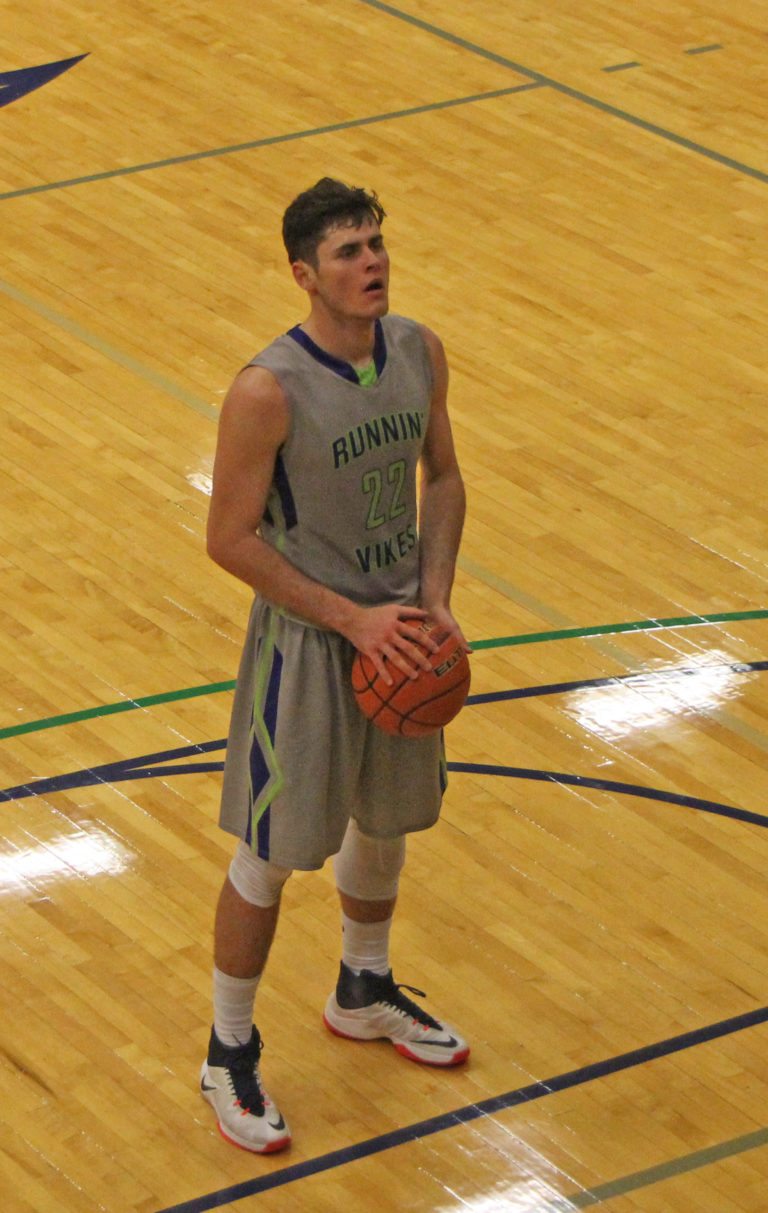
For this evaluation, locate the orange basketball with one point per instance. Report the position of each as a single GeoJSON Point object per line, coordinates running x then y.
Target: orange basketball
{"type": "Point", "coordinates": [415, 707]}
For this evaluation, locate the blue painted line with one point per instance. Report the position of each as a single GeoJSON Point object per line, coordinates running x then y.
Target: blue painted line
{"type": "Point", "coordinates": [644, 679]}
{"type": "Point", "coordinates": [118, 772]}
{"type": "Point", "coordinates": [147, 768]}
{"type": "Point", "coordinates": [704, 50]}
{"type": "Point", "coordinates": [157, 765]}
{"type": "Point", "coordinates": [608, 785]}
{"type": "Point", "coordinates": [622, 67]}
{"type": "Point", "coordinates": [469, 1113]}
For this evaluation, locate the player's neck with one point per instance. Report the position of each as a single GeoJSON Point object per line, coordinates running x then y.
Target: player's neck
{"type": "Point", "coordinates": [352, 340]}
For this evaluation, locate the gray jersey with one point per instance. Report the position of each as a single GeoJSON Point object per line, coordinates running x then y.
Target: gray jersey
{"type": "Point", "coordinates": [342, 506]}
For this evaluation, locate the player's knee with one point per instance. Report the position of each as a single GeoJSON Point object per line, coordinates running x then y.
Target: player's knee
{"type": "Point", "coordinates": [258, 882]}
{"type": "Point", "coordinates": [369, 868]}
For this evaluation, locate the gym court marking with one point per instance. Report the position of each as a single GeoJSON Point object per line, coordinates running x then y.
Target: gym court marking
{"type": "Point", "coordinates": [147, 767]}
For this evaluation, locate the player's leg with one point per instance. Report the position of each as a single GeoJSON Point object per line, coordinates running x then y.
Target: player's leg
{"type": "Point", "coordinates": [246, 918]}
{"type": "Point", "coordinates": [367, 1004]}
{"type": "Point", "coordinates": [367, 872]}
{"type": "Point", "coordinates": [291, 771]}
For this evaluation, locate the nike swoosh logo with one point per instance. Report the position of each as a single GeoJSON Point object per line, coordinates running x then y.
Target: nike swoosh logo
{"type": "Point", "coordinates": [205, 1087]}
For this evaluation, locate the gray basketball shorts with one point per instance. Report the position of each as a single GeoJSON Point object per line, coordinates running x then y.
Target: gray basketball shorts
{"type": "Point", "coordinates": [302, 759]}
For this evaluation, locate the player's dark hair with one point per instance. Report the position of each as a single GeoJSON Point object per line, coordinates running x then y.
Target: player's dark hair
{"type": "Point", "coordinates": [327, 204]}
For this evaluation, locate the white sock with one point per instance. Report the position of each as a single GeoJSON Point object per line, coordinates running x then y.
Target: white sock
{"type": "Point", "coordinates": [233, 999]}
{"type": "Point", "coordinates": [366, 945]}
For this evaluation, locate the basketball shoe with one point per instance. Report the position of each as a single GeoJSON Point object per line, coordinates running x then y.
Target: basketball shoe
{"type": "Point", "coordinates": [230, 1081]}
{"type": "Point", "coordinates": [369, 1006]}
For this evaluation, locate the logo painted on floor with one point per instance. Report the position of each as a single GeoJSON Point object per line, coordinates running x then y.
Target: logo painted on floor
{"type": "Point", "coordinates": [26, 79]}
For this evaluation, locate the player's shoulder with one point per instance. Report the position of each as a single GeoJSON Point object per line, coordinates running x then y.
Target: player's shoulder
{"type": "Point", "coordinates": [255, 386]}
{"type": "Point", "coordinates": [431, 339]}
{"type": "Point", "coordinates": [255, 410]}
{"type": "Point", "coordinates": [406, 328]}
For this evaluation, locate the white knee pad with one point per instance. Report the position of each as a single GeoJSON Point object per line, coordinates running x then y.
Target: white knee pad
{"type": "Point", "coordinates": [369, 868]}
{"type": "Point", "coordinates": [256, 880]}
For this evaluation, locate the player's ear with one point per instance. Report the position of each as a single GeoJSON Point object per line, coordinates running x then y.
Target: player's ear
{"type": "Point", "coordinates": [304, 274]}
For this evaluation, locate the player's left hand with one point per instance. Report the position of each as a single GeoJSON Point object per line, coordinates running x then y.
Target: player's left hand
{"type": "Point", "coordinates": [441, 615]}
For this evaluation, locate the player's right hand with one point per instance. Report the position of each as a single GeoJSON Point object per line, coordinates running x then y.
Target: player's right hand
{"type": "Point", "coordinates": [391, 634]}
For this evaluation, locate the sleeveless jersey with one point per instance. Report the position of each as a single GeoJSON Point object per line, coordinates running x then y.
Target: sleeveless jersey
{"type": "Point", "coordinates": [342, 506]}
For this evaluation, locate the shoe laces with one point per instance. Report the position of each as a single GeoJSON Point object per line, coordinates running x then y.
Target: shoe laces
{"type": "Point", "coordinates": [395, 998]}
{"type": "Point", "coordinates": [243, 1072]}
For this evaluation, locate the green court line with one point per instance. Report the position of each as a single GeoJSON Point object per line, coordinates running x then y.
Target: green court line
{"type": "Point", "coordinates": [110, 709]}
{"type": "Point", "coordinates": [213, 688]}
{"type": "Point", "coordinates": [612, 629]}
{"type": "Point", "coordinates": [653, 1175]}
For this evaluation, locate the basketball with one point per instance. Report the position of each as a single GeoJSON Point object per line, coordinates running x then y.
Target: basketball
{"type": "Point", "coordinates": [415, 707]}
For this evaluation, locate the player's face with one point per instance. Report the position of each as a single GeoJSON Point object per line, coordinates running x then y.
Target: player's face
{"type": "Point", "coordinates": [351, 279]}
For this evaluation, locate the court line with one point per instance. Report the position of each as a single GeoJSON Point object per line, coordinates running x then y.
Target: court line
{"type": "Point", "coordinates": [575, 94]}
{"type": "Point", "coordinates": [108, 351]}
{"type": "Point", "coordinates": [653, 1175]}
{"type": "Point", "coordinates": [613, 629]}
{"type": "Point", "coordinates": [268, 141]}
{"type": "Point", "coordinates": [166, 763]}
{"type": "Point", "coordinates": [536, 80]}
{"type": "Point", "coordinates": [640, 625]}
{"type": "Point", "coordinates": [644, 677]}
{"type": "Point", "coordinates": [562, 779]}
{"type": "Point", "coordinates": [109, 709]}
{"type": "Point", "coordinates": [471, 1112]}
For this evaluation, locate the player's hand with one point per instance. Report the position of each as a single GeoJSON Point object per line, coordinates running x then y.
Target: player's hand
{"type": "Point", "coordinates": [390, 634]}
{"type": "Point", "coordinates": [443, 617]}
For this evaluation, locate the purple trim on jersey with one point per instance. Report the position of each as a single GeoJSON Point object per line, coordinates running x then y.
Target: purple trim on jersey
{"type": "Point", "coordinates": [287, 503]}
{"type": "Point", "coordinates": [338, 365]}
{"type": "Point", "coordinates": [379, 348]}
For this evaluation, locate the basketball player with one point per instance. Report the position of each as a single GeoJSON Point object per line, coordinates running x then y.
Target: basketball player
{"type": "Point", "coordinates": [314, 506]}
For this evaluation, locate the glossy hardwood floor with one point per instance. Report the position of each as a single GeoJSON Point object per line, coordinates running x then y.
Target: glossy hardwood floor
{"type": "Point", "coordinates": [577, 202]}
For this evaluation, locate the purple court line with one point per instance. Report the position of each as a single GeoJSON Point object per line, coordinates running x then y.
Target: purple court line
{"type": "Point", "coordinates": [469, 1113]}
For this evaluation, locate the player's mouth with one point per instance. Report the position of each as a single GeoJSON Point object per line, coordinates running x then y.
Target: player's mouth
{"type": "Point", "coordinates": [376, 285]}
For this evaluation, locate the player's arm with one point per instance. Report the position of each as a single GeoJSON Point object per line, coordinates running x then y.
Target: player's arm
{"type": "Point", "coordinates": [254, 424]}
{"type": "Point", "coordinates": [442, 502]}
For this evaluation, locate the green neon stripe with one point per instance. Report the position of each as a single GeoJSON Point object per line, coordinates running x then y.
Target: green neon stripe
{"type": "Point", "coordinates": [213, 688]}
{"type": "Point", "coordinates": [641, 625]}
{"type": "Point", "coordinates": [109, 709]}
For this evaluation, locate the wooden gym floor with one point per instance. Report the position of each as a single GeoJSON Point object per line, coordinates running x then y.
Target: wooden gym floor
{"type": "Point", "coordinates": [578, 204]}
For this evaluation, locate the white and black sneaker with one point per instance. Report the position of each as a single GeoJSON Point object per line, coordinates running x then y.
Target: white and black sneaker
{"type": "Point", "coordinates": [369, 1006]}
{"type": "Point", "coordinates": [230, 1081]}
